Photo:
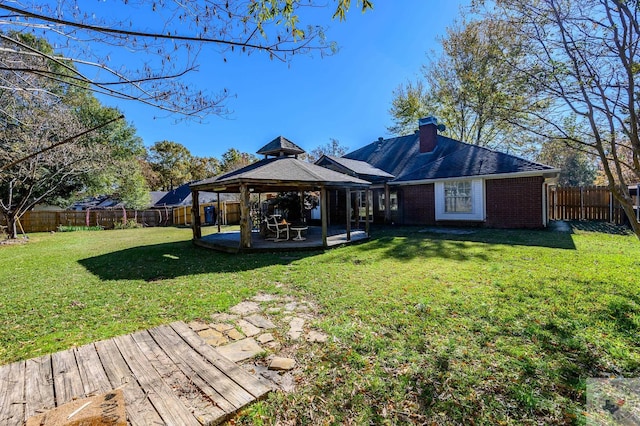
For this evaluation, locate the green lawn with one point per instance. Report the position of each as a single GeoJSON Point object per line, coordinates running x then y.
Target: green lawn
{"type": "Point", "coordinates": [494, 327]}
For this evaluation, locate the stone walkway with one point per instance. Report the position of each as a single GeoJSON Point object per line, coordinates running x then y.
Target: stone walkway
{"type": "Point", "coordinates": [262, 335]}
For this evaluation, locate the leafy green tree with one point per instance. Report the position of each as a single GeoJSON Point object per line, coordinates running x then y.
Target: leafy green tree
{"type": "Point", "coordinates": [411, 102]}
{"type": "Point", "coordinates": [56, 140]}
{"type": "Point", "coordinates": [471, 87]}
{"type": "Point", "coordinates": [172, 161]}
{"type": "Point", "coordinates": [332, 148]}
{"type": "Point", "coordinates": [204, 167]}
{"type": "Point", "coordinates": [581, 57]}
{"type": "Point", "coordinates": [233, 159]}
{"type": "Point", "coordinates": [577, 167]}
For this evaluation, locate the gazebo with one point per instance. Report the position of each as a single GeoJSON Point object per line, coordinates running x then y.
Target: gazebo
{"type": "Point", "coordinates": [279, 171]}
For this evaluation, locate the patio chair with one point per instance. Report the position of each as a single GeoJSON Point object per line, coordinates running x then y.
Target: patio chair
{"type": "Point", "coordinates": [277, 228]}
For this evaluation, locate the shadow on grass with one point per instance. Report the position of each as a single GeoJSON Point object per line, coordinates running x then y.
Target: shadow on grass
{"type": "Point", "coordinates": [449, 243]}
{"type": "Point", "coordinates": [171, 260]}
{"type": "Point", "coordinates": [602, 227]}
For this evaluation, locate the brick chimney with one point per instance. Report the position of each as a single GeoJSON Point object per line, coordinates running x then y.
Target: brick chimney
{"type": "Point", "coordinates": [428, 133]}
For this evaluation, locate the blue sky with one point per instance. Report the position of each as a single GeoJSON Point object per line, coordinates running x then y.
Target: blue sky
{"type": "Point", "coordinates": [312, 99]}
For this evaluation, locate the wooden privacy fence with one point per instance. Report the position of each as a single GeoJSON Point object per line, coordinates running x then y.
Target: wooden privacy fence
{"type": "Point", "coordinates": [44, 221]}
{"type": "Point", "coordinates": [584, 203]}
{"type": "Point", "coordinates": [229, 213]}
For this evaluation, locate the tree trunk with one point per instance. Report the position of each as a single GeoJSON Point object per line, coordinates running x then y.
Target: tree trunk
{"type": "Point", "coordinates": [12, 225]}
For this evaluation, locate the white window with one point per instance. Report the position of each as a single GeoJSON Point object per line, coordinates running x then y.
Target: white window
{"type": "Point", "coordinates": [460, 200]}
{"type": "Point", "coordinates": [457, 197]}
{"type": "Point", "coordinates": [393, 201]}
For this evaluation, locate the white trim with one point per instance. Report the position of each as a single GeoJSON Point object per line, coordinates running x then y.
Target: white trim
{"type": "Point", "coordinates": [543, 174]}
{"type": "Point", "coordinates": [478, 194]}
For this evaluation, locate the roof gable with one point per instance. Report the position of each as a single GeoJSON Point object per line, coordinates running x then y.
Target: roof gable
{"type": "Point", "coordinates": [358, 168]}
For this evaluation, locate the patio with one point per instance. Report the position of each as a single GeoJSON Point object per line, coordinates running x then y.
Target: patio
{"type": "Point", "coordinates": [230, 241]}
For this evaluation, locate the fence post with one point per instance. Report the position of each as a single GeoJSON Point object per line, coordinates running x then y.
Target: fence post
{"type": "Point", "coordinates": [638, 202]}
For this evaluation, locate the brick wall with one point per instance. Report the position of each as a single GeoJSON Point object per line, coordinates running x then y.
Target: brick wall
{"type": "Point", "coordinates": [510, 203]}
{"type": "Point", "coordinates": [514, 203]}
{"type": "Point", "coordinates": [417, 205]}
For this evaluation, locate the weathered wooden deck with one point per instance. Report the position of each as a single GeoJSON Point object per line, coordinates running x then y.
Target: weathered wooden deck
{"type": "Point", "coordinates": [230, 241]}
{"type": "Point", "coordinates": [168, 375]}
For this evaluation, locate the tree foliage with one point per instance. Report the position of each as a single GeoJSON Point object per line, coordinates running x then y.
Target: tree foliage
{"type": "Point", "coordinates": [100, 46]}
{"type": "Point", "coordinates": [56, 140]}
{"type": "Point", "coordinates": [471, 87]}
{"type": "Point", "coordinates": [577, 168]}
{"type": "Point", "coordinates": [581, 57]}
{"type": "Point", "coordinates": [332, 148]}
{"type": "Point", "coordinates": [172, 162]}
{"type": "Point", "coordinates": [233, 159]}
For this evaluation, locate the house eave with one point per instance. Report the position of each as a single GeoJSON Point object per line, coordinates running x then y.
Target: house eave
{"type": "Point", "coordinates": [550, 174]}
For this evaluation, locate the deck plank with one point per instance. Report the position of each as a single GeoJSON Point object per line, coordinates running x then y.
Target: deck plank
{"type": "Point", "coordinates": [163, 399]}
{"type": "Point", "coordinates": [94, 378]}
{"type": "Point", "coordinates": [66, 377]}
{"type": "Point", "coordinates": [203, 407]}
{"type": "Point", "coordinates": [140, 411]}
{"type": "Point", "coordinates": [12, 394]}
{"type": "Point", "coordinates": [232, 370]}
{"type": "Point", "coordinates": [38, 387]}
{"type": "Point", "coordinates": [226, 394]}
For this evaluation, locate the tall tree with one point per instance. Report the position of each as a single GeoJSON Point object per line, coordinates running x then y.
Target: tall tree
{"type": "Point", "coordinates": [172, 162]}
{"type": "Point", "coordinates": [204, 167]}
{"type": "Point", "coordinates": [151, 59]}
{"type": "Point", "coordinates": [233, 159]}
{"type": "Point", "coordinates": [55, 139]}
{"type": "Point", "coordinates": [471, 87]}
{"type": "Point", "coordinates": [582, 57]}
{"type": "Point", "coordinates": [577, 168]}
{"type": "Point", "coordinates": [333, 148]}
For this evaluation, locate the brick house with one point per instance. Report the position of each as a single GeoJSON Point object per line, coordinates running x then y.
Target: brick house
{"type": "Point", "coordinates": [429, 179]}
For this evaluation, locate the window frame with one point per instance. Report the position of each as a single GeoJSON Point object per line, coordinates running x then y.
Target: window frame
{"type": "Point", "coordinates": [477, 195]}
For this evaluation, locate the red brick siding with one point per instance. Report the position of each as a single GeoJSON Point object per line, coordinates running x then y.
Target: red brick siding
{"type": "Point", "coordinates": [514, 203]}
{"type": "Point", "coordinates": [416, 205]}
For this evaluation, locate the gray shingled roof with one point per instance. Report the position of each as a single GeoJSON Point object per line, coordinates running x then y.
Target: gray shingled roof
{"type": "Point", "coordinates": [358, 167]}
{"type": "Point", "coordinates": [401, 157]}
{"type": "Point", "coordinates": [280, 145]}
{"type": "Point", "coordinates": [283, 170]}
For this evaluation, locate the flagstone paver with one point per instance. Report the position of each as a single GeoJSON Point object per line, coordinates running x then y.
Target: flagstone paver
{"type": "Point", "coordinates": [245, 308]}
{"type": "Point", "coordinates": [260, 321]}
{"type": "Point", "coordinates": [222, 327]}
{"type": "Point", "coordinates": [315, 336]}
{"type": "Point", "coordinates": [213, 337]}
{"type": "Point", "coordinates": [247, 328]}
{"type": "Point", "coordinates": [284, 364]}
{"type": "Point", "coordinates": [235, 334]}
{"type": "Point", "coordinates": [241, 350]}
{"type": "Point", "coordinates": [265, 338]}
{"type": "Point", "coordinates": [295, 328]}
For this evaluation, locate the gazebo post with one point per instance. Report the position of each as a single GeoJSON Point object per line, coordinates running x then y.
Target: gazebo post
{"type": "Point", "coordinates": [366, 223]}
{"type": "Point", "coordinates": [348, 200]}
{"type": "Point", "coordinates": [218, 213]}
{"type": "Point", "coordinates": [245, 225]}
{"type": "Point", "coordinates": [323, 214]}
{"type": "Point", "coordinates": [302, 218]}
{"type": "Point", "coordinates": [195, 215]}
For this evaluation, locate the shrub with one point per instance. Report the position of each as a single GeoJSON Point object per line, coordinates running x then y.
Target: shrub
{"type": "Point", "coordinates": [130, 224]}
{"type": "Point", "coordinates": [69, 228]}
